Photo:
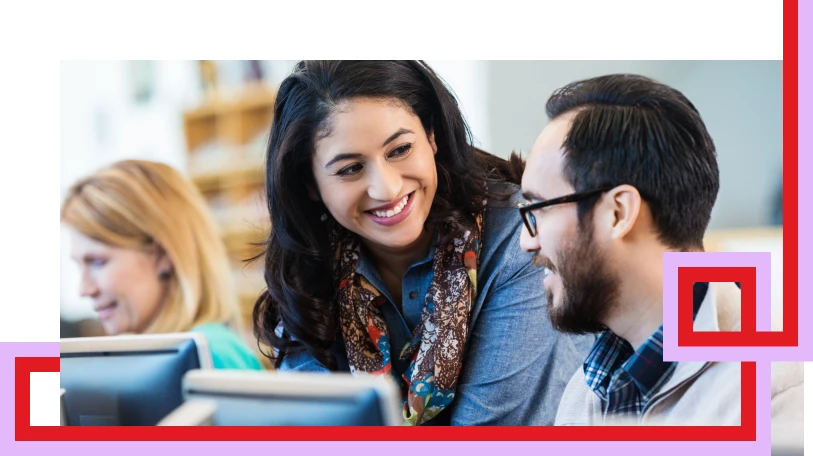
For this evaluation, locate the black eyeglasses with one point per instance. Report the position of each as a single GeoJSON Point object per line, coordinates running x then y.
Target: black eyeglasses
{"type": "Point", "coordinates": [530, 220]}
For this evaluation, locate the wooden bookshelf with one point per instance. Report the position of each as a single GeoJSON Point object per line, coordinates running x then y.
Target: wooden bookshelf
{"type": "Point", "coordinates": [226, 140]}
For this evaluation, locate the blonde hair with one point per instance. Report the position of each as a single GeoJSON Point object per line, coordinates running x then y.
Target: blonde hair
{"type": "Point", "coordinates": [140, 204]}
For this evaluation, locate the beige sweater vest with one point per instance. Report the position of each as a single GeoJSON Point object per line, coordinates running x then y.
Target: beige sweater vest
{"type": "Point", "coordinates": [702, 393]}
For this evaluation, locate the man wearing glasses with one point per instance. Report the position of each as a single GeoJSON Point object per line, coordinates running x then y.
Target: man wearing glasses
{"type": "Point", "coordinates": [624, 171]}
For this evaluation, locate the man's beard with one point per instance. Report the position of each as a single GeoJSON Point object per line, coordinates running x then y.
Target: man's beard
{"type": "Point", "coordinates": [589, 286]}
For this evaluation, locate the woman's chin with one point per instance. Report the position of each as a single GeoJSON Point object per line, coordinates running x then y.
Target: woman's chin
{"type": "Point", "coordinates": [395, 237]}
{"type": "Point", "coordinates": [111, 329]}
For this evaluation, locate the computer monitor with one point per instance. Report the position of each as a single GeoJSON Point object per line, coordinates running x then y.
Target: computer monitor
{"type": "Point", "coordinates": [63, 421]}
{"type": "Point", "coordinates": [223, 398]}
{"type": "Point", "coordinates": [787, 451]}
{"type": "Point", "coordinates": [127, 380]}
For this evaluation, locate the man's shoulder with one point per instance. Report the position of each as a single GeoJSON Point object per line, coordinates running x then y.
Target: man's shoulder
{"type": "Point", "coordinates": [786, 376]}
{"type": "Point", "coordinates": [576, 404]}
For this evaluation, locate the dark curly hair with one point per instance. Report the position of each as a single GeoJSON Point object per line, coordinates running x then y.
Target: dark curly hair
{"type": "Point", "coordinates": [298, 266]}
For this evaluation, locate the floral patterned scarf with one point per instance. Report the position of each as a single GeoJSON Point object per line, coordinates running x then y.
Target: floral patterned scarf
{"type": "Point", "coordinates": [435, 351]}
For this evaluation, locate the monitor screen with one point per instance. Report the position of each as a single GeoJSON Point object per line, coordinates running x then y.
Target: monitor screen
{"type": "Point", "coordinates": [108, 383]}
{"type": "Point", "coordinates": [362, 408]}
{"type": "Point", "coordinates": [223, 398]}
{"type": "Point", "coordinates": [787, 451]}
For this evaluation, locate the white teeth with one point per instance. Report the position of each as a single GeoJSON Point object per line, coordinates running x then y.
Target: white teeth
{"type": "Point", "coordinates": [396, 210]}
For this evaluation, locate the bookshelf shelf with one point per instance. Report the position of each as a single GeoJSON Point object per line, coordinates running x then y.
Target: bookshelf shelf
{"type": "Point", "coordinates": [225, 140]}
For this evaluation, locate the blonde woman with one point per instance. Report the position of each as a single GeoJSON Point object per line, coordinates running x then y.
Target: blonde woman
{"type": "Point", "coordinates": [151, 259]}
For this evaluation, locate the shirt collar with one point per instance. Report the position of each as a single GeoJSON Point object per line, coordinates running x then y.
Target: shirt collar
{"type": "Point", "coordinates": [645, 366]}
{"type": "Point", "coordinates": [366, 267]}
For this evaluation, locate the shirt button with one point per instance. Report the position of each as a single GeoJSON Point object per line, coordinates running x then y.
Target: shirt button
{"type": "Point", "coordinates": [413, 294]}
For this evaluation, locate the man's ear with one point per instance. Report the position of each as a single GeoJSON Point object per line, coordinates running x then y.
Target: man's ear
{"type": "Point", "coordinates": [618, 211]}
{"type": "Point", "coordinates": [626, 203]}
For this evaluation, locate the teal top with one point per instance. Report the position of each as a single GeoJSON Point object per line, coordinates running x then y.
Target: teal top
{"type": "Point", "coordinates": [228, 350]}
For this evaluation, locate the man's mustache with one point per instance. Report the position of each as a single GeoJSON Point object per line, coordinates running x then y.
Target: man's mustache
{"type": "Point", "coordinates": [541, 261]}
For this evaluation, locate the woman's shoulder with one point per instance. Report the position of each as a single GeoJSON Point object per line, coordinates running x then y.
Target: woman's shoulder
{"type": "Point", "coordinates": [502, 227]}
{"type": "Point", "coordinates": [229, 351]}
{"type": "Point", "coordinates": [511, 189]}
{"type": "Point", "coordinates": [502, 222]}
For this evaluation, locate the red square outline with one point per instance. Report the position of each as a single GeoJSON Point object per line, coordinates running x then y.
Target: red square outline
{"type": "Point", "coordinates": [748, 336]}
{"type": "Point", "coordinates": [747, 430]}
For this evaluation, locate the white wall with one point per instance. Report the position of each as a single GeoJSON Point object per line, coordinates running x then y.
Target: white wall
{"type": "Point", "coordinates": [468, 80]}
{"type": "Point", "coordinates": [100, 123]}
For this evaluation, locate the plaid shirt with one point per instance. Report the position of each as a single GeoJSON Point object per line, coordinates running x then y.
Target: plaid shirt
{"type": "Point", "coordinates": [626, 379]}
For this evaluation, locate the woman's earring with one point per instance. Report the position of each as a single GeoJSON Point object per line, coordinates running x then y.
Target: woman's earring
{"type": "Point", "coordinates": [324, 217]}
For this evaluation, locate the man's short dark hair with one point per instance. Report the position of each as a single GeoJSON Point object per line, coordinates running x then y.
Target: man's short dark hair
{"type": "Point", "coordinates": [632, 130]}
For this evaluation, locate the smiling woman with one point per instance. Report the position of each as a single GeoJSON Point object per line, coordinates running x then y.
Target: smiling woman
{"type": "Point", "coordinates": [395, 249]}
{"type": "Point", "coordinates": [150, 257]}
{"type": "Point", "coordinates": [382, 192]}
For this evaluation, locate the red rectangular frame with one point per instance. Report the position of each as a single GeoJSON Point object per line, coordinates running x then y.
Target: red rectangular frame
{"type": "Point", "coordinates": [745, 432]}
{"type": "Point", "coordinates": [24, 431]}
{"type": "Point", "coordinates": [747, 336]}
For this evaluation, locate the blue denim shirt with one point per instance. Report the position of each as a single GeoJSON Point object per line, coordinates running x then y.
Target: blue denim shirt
{"type": "Point", "coordinates": [516, 366]}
